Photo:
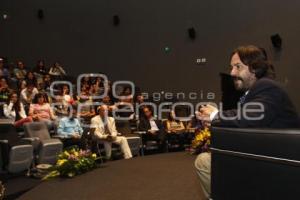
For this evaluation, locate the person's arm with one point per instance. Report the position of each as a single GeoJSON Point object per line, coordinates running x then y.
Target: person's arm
{"type": "Point", "coordinates": [24, 96]}
{"type": "Point", "coordinates": [8, 111]}
{"type": "Point", "coordinates": [79, 128]}
{"type": "Point", "coordinates": [51, 71]}
{"type": "Point", "coordinates": [17, 73]}
{"type": "Point", "coordinates": [168, 127]}
{"type": "Point", "coordinates": [51, 112]}
{"type": "Point", "coordinates": [92, 112]}
{"type": "Point", "coordinates": [62, 70]}
{"type": "Point", "coordinates": [22, 112]}
{"type": "Point", "coordinates": [269, 100]}
{"type": "Point", "coordinates": [31, 110]}
{"type": "Point", "coordinates": [181, 128]}
{"type": "Point", "coordinates": [114, 131]}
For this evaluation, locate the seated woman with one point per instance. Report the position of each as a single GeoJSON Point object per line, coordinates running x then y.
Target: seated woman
{"type": "Point", "coordinates": [41, 110]}
{"type": "Point", "coordinates": [175, 129]}
{"type": "Point", "coordinates": [65, 93]}
{"type": "Point", "coordinates": [14, 110]}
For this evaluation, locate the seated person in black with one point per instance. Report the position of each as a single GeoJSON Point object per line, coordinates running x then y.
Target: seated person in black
{"type": "Point", "coordinates": [154, 128]}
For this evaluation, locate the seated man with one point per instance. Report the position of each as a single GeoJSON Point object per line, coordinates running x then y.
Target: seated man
{"type": "Point", "coordinates": [103, 128]}
{"type": "Point", "coordinates": [70, 128]}
{"type": "Point", "coordinates": [154, 128]}
{"type": "Point", "coordinates": [268, 104]}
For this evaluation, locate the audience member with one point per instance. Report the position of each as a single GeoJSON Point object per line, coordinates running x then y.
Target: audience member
{"type": "Point", "coordinates": [57, 71]}
{"type": "Point", "coordinates": [70, 128]}
{"type": "Point", "coordinates": [20, 71]}
{"type": "Point", "coordinates": [14, 110]}
{"type": "Point", "coordinates": [4, 73]}
{"type": "Point", "coordinates": [27, 95]}
{"type": "Point", "coordinates": [103, 128]}
{"type": "Point", "coordinates": [40, 110]}
{"type": "Point", "coordinates": [154, 129]}
{"type": "Point", "coordinates": [30, 78]}
{"type": "Point", "coordinates": [4, 90]}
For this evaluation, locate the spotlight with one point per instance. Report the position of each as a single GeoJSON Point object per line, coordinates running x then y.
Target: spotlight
{"type": "Point", "coordinates": [116, 20]}
{"type": "Point", "coordinates": [40, 14]}
{"type": "Point", "coordinates": [192, 33]}
{"type": "Point", "coordinates": [276, 41]}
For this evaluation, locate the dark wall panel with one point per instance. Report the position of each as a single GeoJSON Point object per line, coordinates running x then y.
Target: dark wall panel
{"type": "Point", "coordinates": [80, 35]}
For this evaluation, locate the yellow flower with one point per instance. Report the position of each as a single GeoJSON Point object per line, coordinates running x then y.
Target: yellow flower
{"type": "Point", "coordinates": [61, 162]}
{"type": "Point", "coordinates": [199, 137]}
{"type": "Point", "coordinates": [94, 155]}
{"type": "Point", "coordinates": [66, 153]}
{"type": "Point", "coordinates": [76, 153]}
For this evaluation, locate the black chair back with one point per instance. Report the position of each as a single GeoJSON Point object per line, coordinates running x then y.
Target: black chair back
{"type": "Point", "coordinates": [255, 164]}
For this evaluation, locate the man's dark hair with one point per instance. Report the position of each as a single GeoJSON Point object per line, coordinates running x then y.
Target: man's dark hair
{"type": "Point", "coordinates": [256, 59]}
{"type": "Point", "coordinates": [150, 108]}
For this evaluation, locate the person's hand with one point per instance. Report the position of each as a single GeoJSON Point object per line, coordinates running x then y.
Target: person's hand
{"type": "Point", "coordinates": [153, 132]}
{"type": "Point", "coordinates": [206, 124]}
{"type": "Point", "coordinates": [172, 130]}
{"type": "Point", "coordinates": [205, 112]}
{"type": "Point", "coordinates": [35, 117]}
{"type": "Point", "coordinates": [110, 138]}
{"type": "Point", "coordinates": [75, 135]}
{"type": "Point", "coordinates": [208, 109]}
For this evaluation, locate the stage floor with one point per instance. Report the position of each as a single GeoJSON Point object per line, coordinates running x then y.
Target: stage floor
{"type": "Point", "coordinates": [169, 176]}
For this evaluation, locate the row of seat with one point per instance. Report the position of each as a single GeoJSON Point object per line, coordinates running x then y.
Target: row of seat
{"type": "Point", "coordinates": [42, 148]}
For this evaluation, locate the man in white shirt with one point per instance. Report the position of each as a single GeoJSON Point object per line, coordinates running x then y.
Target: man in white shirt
{"type": "Point", "coordinates": [28, 94]}
{"type": "Point", "coordinates": [103, 128]}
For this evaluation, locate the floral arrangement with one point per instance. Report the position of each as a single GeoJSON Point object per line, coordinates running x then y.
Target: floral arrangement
{"type": "Point", "coordinates": [72, 162]}
{"type": "Point", "coordinates": [201, 141]}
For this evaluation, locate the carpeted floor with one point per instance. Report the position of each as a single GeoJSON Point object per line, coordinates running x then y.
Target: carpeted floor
{"type": "Point", "coordinates": [168, 176]}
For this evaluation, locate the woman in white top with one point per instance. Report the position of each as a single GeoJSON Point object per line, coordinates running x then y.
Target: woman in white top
{"type": "Point", "coordinates": [14, 110]}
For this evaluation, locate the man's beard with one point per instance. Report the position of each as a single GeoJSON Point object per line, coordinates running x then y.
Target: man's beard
{"type": "Point", "coordinates": [239, 83]}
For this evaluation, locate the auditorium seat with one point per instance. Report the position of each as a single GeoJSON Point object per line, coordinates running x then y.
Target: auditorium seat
{"type": "Point", "coordinates": [45, 147]}
{"type": "Point", "coordinates": [255, 163]}
{"type": "Point", "coordinates": [134, 141]}
{"type": "Point", "coordinates": [20, 157]}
